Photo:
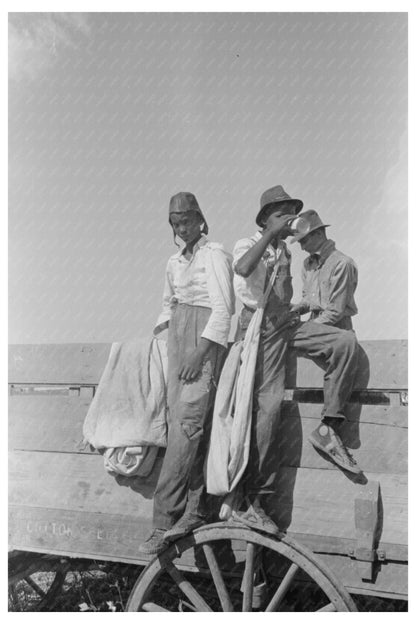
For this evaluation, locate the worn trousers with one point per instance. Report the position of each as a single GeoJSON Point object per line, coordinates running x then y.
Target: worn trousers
{"type": "Point", "coordinates": [336, 348]}
{"type": "Point", "coordinates": [180, 486]}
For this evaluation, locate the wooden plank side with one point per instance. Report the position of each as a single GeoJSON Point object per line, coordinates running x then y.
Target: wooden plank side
{"type": "Point", "coordinates": [116, 537]}
{"type": "Point", "coordinates": [376, 448]}
{"type": "Point", "coordinates": [321, 502]}
{"type": "Point", "coordinates": [79, 533]}
{"type": "Point", "coordinates": [54, 423]}
{"type": "Point", "coordinates": [78, 482]}
{"type": "Point", "coordinates": [314, 501]}
{"type": "Point", "coordinates": [355, 413]}
{"type": "Point", "coordinates": [326, 544]}
{"type": "Point", "coordinates": [47, 423]}
{"type": "Point", "coordinates": [390, 581]}
{"type": "Point", "coordinates": [77, 363]}
{"type": "Point", "coordinates": [383, 365]}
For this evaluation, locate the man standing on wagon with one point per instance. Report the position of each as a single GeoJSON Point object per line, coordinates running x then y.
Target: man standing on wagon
{"type": "Point", "coordinates": [254, 263]}
{"type": "Point", "coordinates": [198, 302]}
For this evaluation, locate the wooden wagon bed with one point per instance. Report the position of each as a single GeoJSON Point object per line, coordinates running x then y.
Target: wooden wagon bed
{"type": "Point", "coordinates": [61, 500]}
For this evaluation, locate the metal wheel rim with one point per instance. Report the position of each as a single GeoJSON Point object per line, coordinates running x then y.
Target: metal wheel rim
{"type": "Point", "coordinates": [298, 554]}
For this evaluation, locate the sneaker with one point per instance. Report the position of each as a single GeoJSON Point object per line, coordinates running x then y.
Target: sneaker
{"type": "Point", "coordinates": [154, 543]}
{"type": "Point", "coordinates": [256, 518]}
{"type": "Point", "coordinates": [326, 440]}
{"type": "Point", "coordinates": [185, 525]}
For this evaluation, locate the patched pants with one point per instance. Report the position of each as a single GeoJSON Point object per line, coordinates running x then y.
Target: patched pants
{"type": "Point", "coordinates": [180, 485]}
{"type": "Point", "coordinates": [336, 349]}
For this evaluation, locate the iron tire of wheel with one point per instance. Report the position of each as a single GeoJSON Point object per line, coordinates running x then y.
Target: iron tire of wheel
{"type": "Point", "coordinates": [299, 558]}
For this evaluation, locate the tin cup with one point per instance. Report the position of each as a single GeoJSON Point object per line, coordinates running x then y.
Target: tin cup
{"type": "Point", "coordinates": [298, 225]}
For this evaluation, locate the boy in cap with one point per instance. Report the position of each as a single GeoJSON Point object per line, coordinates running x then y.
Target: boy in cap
{"type": "Point", "coordinates": [198, 303]}
{"type": "Point", "coordinates": [329, 277]}
{"type": "Point", "coordinates": [254, 261]}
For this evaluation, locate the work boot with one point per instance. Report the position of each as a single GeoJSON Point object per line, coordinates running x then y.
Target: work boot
{"type": "Point", "coordinates": [184, 525]}
{"type": "Point", "coordinates": [326, 440]}
{"type": "Point", "coordinates": [154, 543]}
{"type": "Point", "coordinates": [256, 518]}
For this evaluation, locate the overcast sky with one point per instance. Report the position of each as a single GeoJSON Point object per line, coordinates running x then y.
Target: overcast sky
{"type": "Point", "coordinates": [111, 114]}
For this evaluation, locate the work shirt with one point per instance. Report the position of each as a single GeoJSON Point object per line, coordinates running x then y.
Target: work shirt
{"type": "Point", "coordinates": [250, 289]}
{"type": "Point", "coordinates": [329, 281]}
{"type": "Point", "coordinates": [204, 280]}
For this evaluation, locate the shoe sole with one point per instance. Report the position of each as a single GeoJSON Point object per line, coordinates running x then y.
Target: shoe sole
{"type": "Point", "coordinates": [175, 536]}
{"type": "Point", "coordinates": [152, 552]}
{"type": "Point", "coordinates": [254, 525]}
{"type": "Point", "coordinates": [339, 463]}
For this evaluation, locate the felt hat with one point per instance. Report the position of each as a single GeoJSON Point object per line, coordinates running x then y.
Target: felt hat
{"type": "Point", "coordinates": [306, 223]}
{"type": "Point", "coordinates": [275, 195]}
{"type": "Point", "coordinates": [184, 202]}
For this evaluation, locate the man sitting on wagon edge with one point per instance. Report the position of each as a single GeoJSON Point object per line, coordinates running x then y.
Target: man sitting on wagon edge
{"type": "Point", "coordinates": [329, 277]}
{"type": "Point", "coordinates": [254, 261]}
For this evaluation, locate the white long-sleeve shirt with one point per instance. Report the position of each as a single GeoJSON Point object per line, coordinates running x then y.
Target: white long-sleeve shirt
{"type": "Point", "coordinates": [249, 290]}
{"type": "Point", "coordinates": [206, 280]}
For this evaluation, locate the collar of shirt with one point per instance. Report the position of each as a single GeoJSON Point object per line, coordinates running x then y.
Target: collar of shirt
{"type": "Point", "coordinates": [323, 253]}
{"type": "Point", "coordinates": [200, 243]}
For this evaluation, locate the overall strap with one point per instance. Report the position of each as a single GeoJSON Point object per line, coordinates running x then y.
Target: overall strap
{"type": "Point", "coordinates": [269, 285]}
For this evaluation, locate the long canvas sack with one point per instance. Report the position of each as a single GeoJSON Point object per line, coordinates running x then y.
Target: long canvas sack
{"type": "Point", "coordinates": [127, 418]}
{"type": "Point", "coordinates": [231, 426]}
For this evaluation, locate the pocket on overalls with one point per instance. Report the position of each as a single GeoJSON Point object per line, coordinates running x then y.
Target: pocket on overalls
{"type": "Point", "coordinates": [193, 401]}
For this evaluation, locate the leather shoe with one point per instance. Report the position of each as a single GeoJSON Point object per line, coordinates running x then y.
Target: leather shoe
{"type": "Point", "coordinates": [184, 525]}
{"type": "Point", "coordinates": [256, 518]}
{"type": "Point", "coordinates": [154, 543]}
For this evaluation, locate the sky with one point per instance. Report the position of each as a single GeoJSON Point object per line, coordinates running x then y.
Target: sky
{"type": "Point", "coordinates": [111, 114]}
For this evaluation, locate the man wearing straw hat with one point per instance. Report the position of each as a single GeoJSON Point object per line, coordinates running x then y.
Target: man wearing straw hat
{"type": "Point", "coordinates": [329, 277]}
{"type": "Point", "coordinates": [254, 264]}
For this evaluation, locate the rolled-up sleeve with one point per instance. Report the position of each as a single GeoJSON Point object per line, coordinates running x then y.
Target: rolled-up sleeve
{"type": "Point", "coordinates": [221, 294]}
{"type": "Point", "coordinates": [341, 289]}
{"type": "Point", "coordinates": [240, 248]}
{"type": "Point", "coordinates": [168, 291]}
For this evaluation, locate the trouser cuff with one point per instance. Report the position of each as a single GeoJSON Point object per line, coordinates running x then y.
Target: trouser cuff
{"type": "Point", "coordinates": [334, 419]}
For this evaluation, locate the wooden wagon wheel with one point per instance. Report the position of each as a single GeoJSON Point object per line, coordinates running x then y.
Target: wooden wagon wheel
{"type": "Point", "coordinates": [218, 591]}
{"type": "Point", "coordinates": [34, 584]}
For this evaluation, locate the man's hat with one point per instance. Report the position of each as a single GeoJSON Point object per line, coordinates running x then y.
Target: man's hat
{"type": "Point", "coordinates": [306, 223]}
{"type": "Point", "coordinates": [275, 195]}
{"type": "Point", "coordinates": [184, 202]}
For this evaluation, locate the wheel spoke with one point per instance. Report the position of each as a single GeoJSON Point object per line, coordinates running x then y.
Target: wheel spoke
{"type": "Point", "coordinates": [35, 586]}
{"type": "Point", "coordinates": [248, 578]}
{"type": "Point", "coordinates": [328, 607]}
{"type": "Point", "coordinates": [294, 556]}
{"type": "Point", "coordinates": [15, 597]}
{"type": "Point", "coordinates": [283, 587]}
{"type": "Point", "coordinates": [152, 606]}
{"type": "Point", "coordinates": [187, 588]}
{"type": "Point", "coordinates": [222, 592]}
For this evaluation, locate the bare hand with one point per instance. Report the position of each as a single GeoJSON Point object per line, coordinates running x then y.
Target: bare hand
{"type": "Point", "coordinates": [275, 224]}
{"type": "Point", "coordinates": [191, 366]}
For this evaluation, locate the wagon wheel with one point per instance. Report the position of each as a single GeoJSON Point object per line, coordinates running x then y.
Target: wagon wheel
{"type": "Point", "coordinates": [35, 584]}
{"type": "Point", "coordinates": [223, 590]}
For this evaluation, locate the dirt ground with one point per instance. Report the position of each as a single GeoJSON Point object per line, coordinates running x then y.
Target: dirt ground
{"type": "Point", "coordinates": [106, 587]}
